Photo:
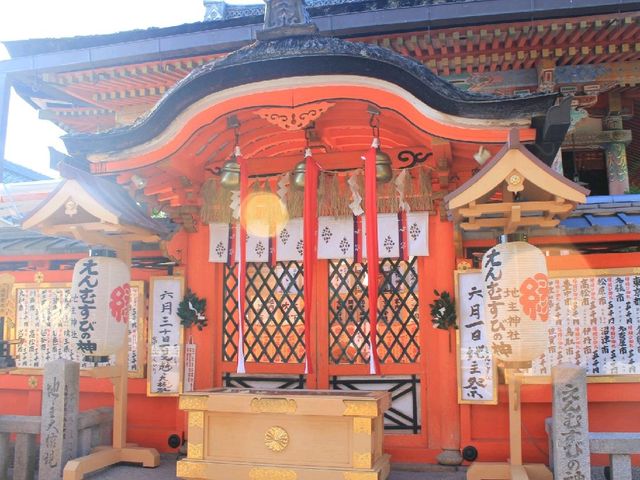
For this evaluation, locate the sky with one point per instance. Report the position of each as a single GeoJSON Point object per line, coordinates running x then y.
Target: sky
{"type": "Point", "coordinates": [28, 138]}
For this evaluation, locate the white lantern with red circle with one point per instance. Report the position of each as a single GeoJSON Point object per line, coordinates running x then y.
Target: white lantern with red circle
{"type": "Point", "coordinates": [100, 300]}
{"type": "Point", "coordinates": [516, 294]}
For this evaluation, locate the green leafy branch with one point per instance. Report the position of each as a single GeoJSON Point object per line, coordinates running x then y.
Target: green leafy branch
{"type": "Point", "coordinates": [443, 311]}
{"type": "Point", "coordinates": [191, 311]}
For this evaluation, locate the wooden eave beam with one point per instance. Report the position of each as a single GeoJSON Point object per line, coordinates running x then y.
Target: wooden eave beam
{"type": "Point", "coordinates": [502, 222]}
{"type": "Point", "coordinates": [107, 236]}
{"type": "Point", "coordinates": [504, 207]}
{"type": "Point", "coordinates": [514, 220]}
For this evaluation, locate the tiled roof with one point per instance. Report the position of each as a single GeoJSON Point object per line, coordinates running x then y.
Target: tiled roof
{"type": "Point", "coordinates": [12, 173]}
{"type": "Point", "coordinates": [606, 214]}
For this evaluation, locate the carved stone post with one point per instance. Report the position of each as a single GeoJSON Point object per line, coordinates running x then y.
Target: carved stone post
{"type": "Point", "coordinates": [59, 424]}
{"type": "Point", "coordinates": [570, 422]}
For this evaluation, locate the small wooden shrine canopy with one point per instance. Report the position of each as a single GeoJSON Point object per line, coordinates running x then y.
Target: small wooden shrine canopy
{"type": "Point", "coordinates": [514, 189]}
{"type": "Point", "coordinates": [94, 210]}
{"type": "Point", "coordinates": [99, 212]}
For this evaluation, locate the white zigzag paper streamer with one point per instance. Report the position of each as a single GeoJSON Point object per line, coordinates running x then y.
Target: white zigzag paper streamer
{"type": "Point", "coordinates": [356, 199]}
{"type": "Point", "coordinates": [400, 186]}
{"type": "Point", "coordinates": [283, 187]}
{"type": "Point", "coordinates": [235, 204]}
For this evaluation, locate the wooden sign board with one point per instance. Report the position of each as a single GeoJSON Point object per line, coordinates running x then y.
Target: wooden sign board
{"type": "Point", "coordinates": [166, 342]}
{"type": "Point", "coordinates": [594, 322]}
{"type": "Point", "coordinates": [477, 370]}
{"type": "Point", "coordinates": [40, 319]}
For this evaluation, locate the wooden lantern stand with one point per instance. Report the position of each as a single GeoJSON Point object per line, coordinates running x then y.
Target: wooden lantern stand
{"type": "Point", "coordinates": [119, 451]}
{"type": "Point", "coordinates": [513, 469]}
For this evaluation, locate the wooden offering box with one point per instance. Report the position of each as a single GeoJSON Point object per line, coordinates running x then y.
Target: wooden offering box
{"type": "Point", "coordinates": [239, 434]}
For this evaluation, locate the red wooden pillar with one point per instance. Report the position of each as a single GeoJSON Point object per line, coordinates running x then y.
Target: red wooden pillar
{"type": "Point", "coordinates": [443, 253]}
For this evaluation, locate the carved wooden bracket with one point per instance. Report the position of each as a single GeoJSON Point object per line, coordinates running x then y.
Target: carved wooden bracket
{"type": "Point", "coordinates": [294, 118]}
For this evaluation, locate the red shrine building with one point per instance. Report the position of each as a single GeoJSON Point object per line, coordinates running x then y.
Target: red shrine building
{"type": "Point", "coordinates": [479, 119]}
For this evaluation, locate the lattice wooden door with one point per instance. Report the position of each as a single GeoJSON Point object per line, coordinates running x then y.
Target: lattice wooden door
{"type": "Point", "coordinates": [274, 331]}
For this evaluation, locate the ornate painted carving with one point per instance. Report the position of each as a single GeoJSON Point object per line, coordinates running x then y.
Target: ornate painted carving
{"type": "Point", "coordinates": [360, 476]}
{"type": "Point", "coordinates": [196, 419]}
{"type": "Point", "coordinates": [362, 425]}
{"type": "Point", "coordinates": [70, 207]}
{"type": "Point", "coordinates": [276, 439]}
{"type": "Point", "coordinates": [272, 474]}
{"type": "Point", "coordinates": [295, 118]}
{"type": "Point", "coordinates": [362, 460]}
{"type": "Point", "coordinates": [273, 405]}
{"type": "Point", "coordinates": [597, 139]}
{"type": "Point", "coordinates": [515, 182]}
{"type": "Point", "coordinates": [195, 450]}
{"type": "Point", "coordinates": [6, 300]}
{"type": "Point", "coordinates": [193, 402]}
{"type": "Point", "coordinates": [617, 162]}
{"type": "Point", "coordinates": [360, 408]}
{"type": "Point", "coordinates": [186, 469]}
{"type": "Point", "coordinates": [285, 18]}
{"type": "Point", "coordinates": [412, 158]}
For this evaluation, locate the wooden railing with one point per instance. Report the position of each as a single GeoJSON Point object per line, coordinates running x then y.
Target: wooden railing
{"type": "Point", "coordinates": [94, 428]}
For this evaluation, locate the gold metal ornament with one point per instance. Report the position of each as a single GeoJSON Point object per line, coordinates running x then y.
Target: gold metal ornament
{"type": "Point", "coordinates": [187, 469]}
{"type": "Point", "coordinates": [299, 175]}
{"type": "Point", "coordinates": [383, 167]}
{"type": "Point", "coordinates": [273, 405]}
{"type": "Point", "coordinates": [258, 473]}
{"type": "Point", "coordinates": [230, 174]}
{"type": "Point", "coordinates": [276, 439]}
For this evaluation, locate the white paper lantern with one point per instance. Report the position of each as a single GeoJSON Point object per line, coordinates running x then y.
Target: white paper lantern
{"type": "Point", "coordinates": [516, 293]}
{"type": "Point", "coordinates": [100, 300]}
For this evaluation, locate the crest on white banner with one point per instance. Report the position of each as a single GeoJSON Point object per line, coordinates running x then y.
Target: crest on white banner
{"type": "Point", "coordinates": [290, 242]}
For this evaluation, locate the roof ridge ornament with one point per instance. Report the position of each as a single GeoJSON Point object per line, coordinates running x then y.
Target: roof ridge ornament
{"type": "Point", "coordinates": [286, 18]}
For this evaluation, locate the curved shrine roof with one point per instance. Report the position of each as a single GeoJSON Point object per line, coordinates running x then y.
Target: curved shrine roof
{"type": "Point", "coordinates": [310, 56]}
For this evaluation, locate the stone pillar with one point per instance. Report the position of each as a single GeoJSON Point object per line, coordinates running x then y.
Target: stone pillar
{"type": "Point", "coordinates": [24, 459]}
{"type": "Point", "coordinates": [4, 455]}
{"type": "Point", "coordinates": [570, 422]}
{"type": "Point", "coordinates": [620, 467]}
{"type": "Point", "coordinates": [616, 157]}
{"type": "Point", "coordinates": [59, 424]}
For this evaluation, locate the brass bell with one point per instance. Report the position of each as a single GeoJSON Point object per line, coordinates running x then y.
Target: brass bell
{"type": "Point", "coordinates": [230, 174]}
{"type": "Point", "coordinates": [299, 175]}
{"type": "Point", "coordinates": [383, 167]}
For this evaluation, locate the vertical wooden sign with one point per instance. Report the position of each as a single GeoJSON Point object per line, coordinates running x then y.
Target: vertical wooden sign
{"type": "Point", "coordinates": [166, 350]}
{"type": "Point", "coordinates": [477, 379]}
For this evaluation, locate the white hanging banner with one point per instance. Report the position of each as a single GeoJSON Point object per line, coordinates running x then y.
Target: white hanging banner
{"type": "Point", "coordinates": [219, 242]}
{"type": "Point", "coordinates": [418, 233]}
{"type": "Point", "coordinates": [290, 242]}
{"type": "Point", "coordinates": [337, 237]}
{"type": "Point", "coordinates": [388, 236]}
{"type": "Point", "coordinates": [257, 249]}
